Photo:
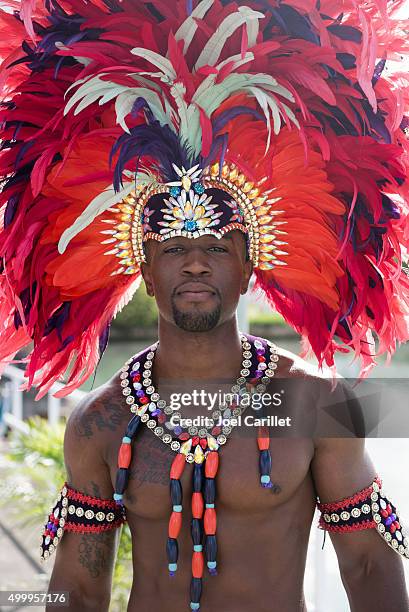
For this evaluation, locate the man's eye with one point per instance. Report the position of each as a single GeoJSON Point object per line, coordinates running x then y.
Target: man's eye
{"type": "Point", "coordinates": [218, 249]}
{"type": "Point", "coordinates": [173, 250]}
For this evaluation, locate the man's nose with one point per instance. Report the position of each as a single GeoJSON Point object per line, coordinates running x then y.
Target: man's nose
{"type": "Point", "coordinates": [196, 263]}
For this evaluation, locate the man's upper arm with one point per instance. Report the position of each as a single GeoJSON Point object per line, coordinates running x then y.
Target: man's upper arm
{"type": "Point", "coordinates": [341, 468]}
{"type": "Point", "coordinates": [84, 561]}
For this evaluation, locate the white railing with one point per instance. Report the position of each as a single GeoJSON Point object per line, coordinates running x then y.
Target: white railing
{"type": "Point", "coordinates": [13, 398]}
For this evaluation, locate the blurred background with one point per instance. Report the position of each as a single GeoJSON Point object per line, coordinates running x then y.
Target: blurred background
{"type": "Point", "coordinates": [32, 469]}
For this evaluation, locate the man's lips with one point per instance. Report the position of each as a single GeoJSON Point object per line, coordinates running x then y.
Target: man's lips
{"type": "Point", "coordinates": [195, 292]}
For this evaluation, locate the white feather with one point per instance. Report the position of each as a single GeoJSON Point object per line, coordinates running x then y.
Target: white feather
{"type": "Point", "coordinates": [188, 28]}
{"type": "Point", "coordinates": [99, 204]}
{"type": "Point", "coordinates": [211, 51]}
{"type": "Point", "coordinates": [157, 60]}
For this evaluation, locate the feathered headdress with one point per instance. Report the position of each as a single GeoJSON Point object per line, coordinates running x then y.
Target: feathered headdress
{"type": "Point", "coordinates": [285, 106]}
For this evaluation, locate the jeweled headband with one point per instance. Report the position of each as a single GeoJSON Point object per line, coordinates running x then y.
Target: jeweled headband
{"type": "Point", "coordinates": [210, 202]}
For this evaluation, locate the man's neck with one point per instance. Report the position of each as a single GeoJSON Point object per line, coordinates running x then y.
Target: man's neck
{"type": "Point", "coordinates": [198, 355]}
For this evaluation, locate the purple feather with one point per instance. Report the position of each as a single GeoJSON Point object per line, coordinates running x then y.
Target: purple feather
{"type": "Point", "coordinates": [345, 32]}
{"type": "Point", "coordinates": [378, 71]}
{"type": "Point", "coordinates": [57, 320]}
{"type": "Point", "coordinates": [11, 210]}
{"type": "Point", "coordinates": [232, 113]}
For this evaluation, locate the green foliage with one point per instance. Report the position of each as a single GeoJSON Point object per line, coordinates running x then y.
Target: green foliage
{"type": "Point", "coordinates": [35, 476]}
{"type": "Point", "coordinates": [139, 313]}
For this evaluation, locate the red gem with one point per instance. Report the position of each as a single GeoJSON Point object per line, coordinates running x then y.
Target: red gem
{"type": "Point", "coordinates": [195, 440]}
{"type": "Point", "coordinates": [384, 513]}
{"type": "Point", "coordinates": [389, 509]}
{"type": "Point", "coordinates": [136, 377]}
{"type": "Point", "coordinates": [184, 436]}
{"type": "Point", "coordinates": [216, 431]}
{"type": "Point", "coordinates": [392, 528]}
{"type": "Point", "coordinates": [161, 418]}
{"type": "Point", "coordinates": [397, 524]}
{"type": "Point", "coordinates": [144, 400]}
{"type": "Point", "coordinates": [203, 442]}
{"type": "Point", "coordinates": [260, 358]}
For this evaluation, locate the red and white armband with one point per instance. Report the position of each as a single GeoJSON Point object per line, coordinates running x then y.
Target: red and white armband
{"type": "Point", "coordinates": [80, 513]}
{"type": "Point", "coordinates": [367, 509]}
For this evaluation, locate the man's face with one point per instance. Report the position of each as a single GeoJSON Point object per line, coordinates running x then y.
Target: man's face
{"type": "Point", "coordinates": [197, 282]}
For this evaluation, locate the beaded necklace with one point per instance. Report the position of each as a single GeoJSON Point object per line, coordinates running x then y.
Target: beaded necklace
{"type": "Point", "coordinates": [198, 446]}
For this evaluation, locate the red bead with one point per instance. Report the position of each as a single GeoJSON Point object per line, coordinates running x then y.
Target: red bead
{"type": "Point", "coordinates": [184, 436]}
{"type": "Point", "coordinates": [175, 523]}
{"type": "Point", "coordinates": [136, 377]}
{"type": "Point", "coordinates": [195, 440]}
{"type": "Point", "coordinates": [260, 358]}
{"type": "Point", "coordinates": [384, 513]}
{"type": "Point", "coordinates": [178, 465]}
{"type": "Point", "coordinates": [197, 564]}
{"type": "Point", "coordinates": [397, 524]}
{"type": "Point", "coordinates": [162, 418]}
{"type": "Point", "coordinates": [124, 455]}
{"type": "Point", "coordinates": [216, 431]}
{"type": "Point", "coordinates": [144, 400]}
{"type": "Point", "coordinates": [203, 442]}
{"type": "Point", "coordinates": [389, 509]}
{"type": "Point", "coordinates": [197, 504]}
{"type": "Point", "coordinates": [212, 464]}
{"type": "Point", "coordinates": [392, 528]}
{"type": "Point", "coordinates": [210, 521]}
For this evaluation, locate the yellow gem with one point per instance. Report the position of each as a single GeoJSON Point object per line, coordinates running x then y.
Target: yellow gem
{"type": "Point", "coordinates": [123, 227]}
{"type": "Point", "coordinates": [199, 454]}
{"type": "Point", "coordinates": [233, 175]}
{"type": "Point", "coordinates": [214, 170]}
{"type": "Point", "coordinates": [241, 179]}
{"type": "Point", "coordinates": [247, 187]}
{"type": "Point", "coordinates": [125, 217]}
{"type": "Point", "coordinates": [186, 446]}
{"type": "Point", "coordinates": [186, 183]}
{"type": "Point", "coordinates": [212, 444]}
{"type": "Point", "coordinates": [267, 257]}
{"type": "Point", "coordinates": [125, 208]}
{"type": "Point", "coordinates": [225, 171]}
{"type": "Point", "coordinates": [259, 202]}
{"type": "Point", "coordinates": [122, 235]}
{"type": "Point", "coordinates": [253, 193]}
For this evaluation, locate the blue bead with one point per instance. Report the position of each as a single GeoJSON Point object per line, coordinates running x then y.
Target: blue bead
{"type": "Point", "coordinates": [194, 606]}
{"type": "Point", "coordinates": [211, 564]}
{"type": "Point", "coordinates": [265, 478]}
{"type": "Point", "coordinates": [209, 505]}
{"type": "Point", "coordinates": [177, 508]}
{"type": "Point", "coordinates": [190, 225]}
{"type": "Point", "coordinates": [126, 440]}
{"type": "Point", "coordinates": [198, 548]}
{"type": "Point", "coordinates": [117, 496]}
{"type": "Point", "coordinates": [177, 430]}
{"type": "Point", "coordinates": [174, 191]}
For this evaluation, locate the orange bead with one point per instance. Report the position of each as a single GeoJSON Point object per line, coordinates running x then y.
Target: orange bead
{"type": "Point", "coordinates": [175, 524]}
{"type": "Point", "coordinates": [178, 465]}
{"type": "Point", "coordinates": [210, 521]}
{"type": "Point", "coordinates": [263, 443]}
{"type": "Point", "coordinates": [197, 505]}
{"type": "Point", "coordinates": [212, 464]}
{"type": "Point", "coordinates": [197, 564]}
{"type": "Point", "coordinates": [124, 455]}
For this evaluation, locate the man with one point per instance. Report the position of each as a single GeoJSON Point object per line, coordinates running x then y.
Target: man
{"type": "Point", "coordinates": [263, 538]}
{"type": "Point", "coordinates": [143, 138]}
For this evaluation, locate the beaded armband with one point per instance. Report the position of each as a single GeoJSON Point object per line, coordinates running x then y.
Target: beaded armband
{"type": "Point", "coordinates": [367, 509]}
{"type": "Point", "coordinates": [80, 513]}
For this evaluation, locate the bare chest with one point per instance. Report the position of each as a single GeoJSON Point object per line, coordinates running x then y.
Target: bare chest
{"type": "Point", "coordinates": [238, 481]}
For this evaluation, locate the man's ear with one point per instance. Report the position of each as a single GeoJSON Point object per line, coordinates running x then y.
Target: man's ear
{"type": "Point", "coordinates": [147, 277]}
{"type": "Point", "coordinates": [247, 272]}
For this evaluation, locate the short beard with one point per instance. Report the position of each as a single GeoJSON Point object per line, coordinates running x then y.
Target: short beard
{"type": "Point", "coordinates": [196, 321]}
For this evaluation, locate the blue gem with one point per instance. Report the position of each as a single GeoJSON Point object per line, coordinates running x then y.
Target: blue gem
{"type": "Point", "coordinates": [198, 188]}
{"type": "Point", "coordinates": [174, 191]}
{"type": "Point", "coordinates": [190, 225]}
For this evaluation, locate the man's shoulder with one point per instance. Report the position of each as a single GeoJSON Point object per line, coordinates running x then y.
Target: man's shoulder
{"type": "Point", "coordinates": [101, 412]}
{"type": "Point", "coordinates": [290, 365]}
